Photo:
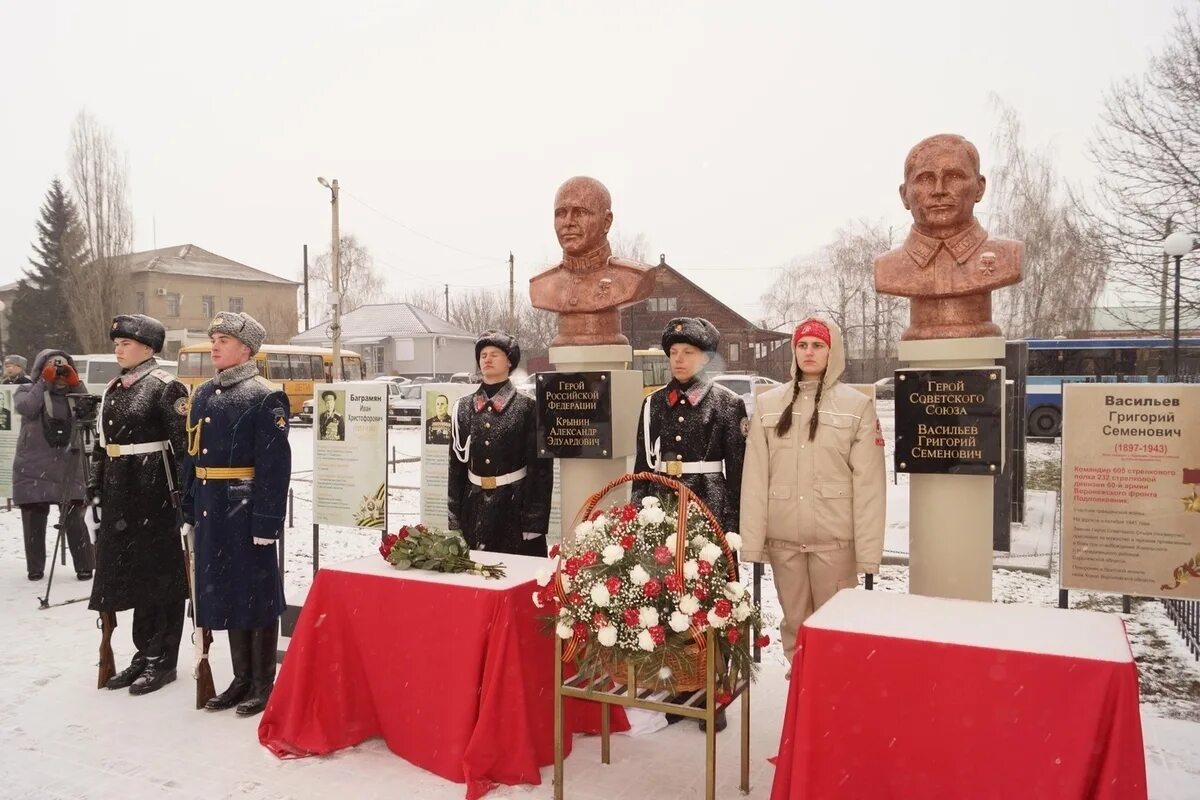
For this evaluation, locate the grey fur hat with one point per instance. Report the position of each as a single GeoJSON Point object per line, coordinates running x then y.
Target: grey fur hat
{"type": "Point", "coordinates": [18, 360]}
{"type": "Point", "coordinates": [241, 326]}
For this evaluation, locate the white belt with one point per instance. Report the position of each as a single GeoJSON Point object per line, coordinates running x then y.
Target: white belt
{"type": "Point", "coordinates": [117, 450]}
{"type": "Point", "coordinates": [492, 481]}
{"type": "Point", "coordinates": [688, 467]}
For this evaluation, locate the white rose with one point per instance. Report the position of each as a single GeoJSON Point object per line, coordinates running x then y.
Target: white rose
{"type": "Point", "coordinates": [612, 554]}
{"type": "Point", "coordinates": [734, 591]}
{"type": "Point", "coordinates": [710, 553]}
{"type": "Point", "coordinates": [544, 576]}
{"type": "Point", "coordinates": [717, 622]}
{"type": "Point", "coordinates": [607, 636]}
{"type": "Point", "coordinates": [647, 616]}
{"type": "Point", "coordinates": [671, 541]}
{"type": "Point", "coordinates": [646, 641]}
{"type": "Point", "coordinates": [600, 595]}
{"type": "Point", "coordinates": [689, 604]}
{"type": "Point", "coordinates": [699, 541]}
{"type": "Point", "coordinates": [741, 612]}
{"type": "Point", "coordinates": [638, 575]}
{"type": "Point", "coordinates": [601, 523]}
{"type": "Point", "coordinates": [691, 570]}
{"type": "Point", "coordinates": [566, 581]}
{"type": "Point", "coordinates": [734, 540]}
{"type": "Point", "coordinates": [650, 501]}
{"type": "Point", "coordinates": [563, 631]}
{"type": "Point", "coordinates": [583, 529]}
{"type": "Point", "coordinates": [680, 622]}
{"type": "Point", "coordinates": [651, 516]}
{"type": "Point", "coordinates": [537, 599]}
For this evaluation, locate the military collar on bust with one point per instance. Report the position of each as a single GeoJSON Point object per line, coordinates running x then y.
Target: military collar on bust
{"type": "Point", "coordinates": [135, 374]}
{"type": "Point", "coordinates": [923, 249]}
{"type": "Point", "coordinates": [588, 262]}
{"type": "Point", "coordinates": [694, 393]}
{"type": "Point", "coordinates": [499, 401]}
{"type": "Point", "coordinates": [235, 375]}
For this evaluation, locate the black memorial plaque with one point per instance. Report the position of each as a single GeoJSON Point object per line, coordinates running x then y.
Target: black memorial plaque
{"type": "Point", "coordinates": [948, 421]}
{"type": "Point", "coordinates": [574, 415]}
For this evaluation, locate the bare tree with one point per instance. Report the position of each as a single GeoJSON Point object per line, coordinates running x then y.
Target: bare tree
{"type": "Point", "coordinates": [1063, 268]}
{"type": "Point", "coordinates": [635, 248]}
{"type": "Point", "coordinates": [427, 298]}
{"type": "Point", "coordinates": [281, 319]}
{"type": "Point", "coordinates": [98, 174]}
{"type": "Point", "coordinates": [360, 283]}
{"type": "Point", "coordinates": [479, 310]}
{"type": "Point", "coordinates": [1148, 152]}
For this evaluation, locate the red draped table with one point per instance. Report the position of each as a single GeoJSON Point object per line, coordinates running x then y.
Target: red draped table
{"type": "Point", "coordinates": [902, 696]}
{"type": "Point", "coordinates": [451, 670]}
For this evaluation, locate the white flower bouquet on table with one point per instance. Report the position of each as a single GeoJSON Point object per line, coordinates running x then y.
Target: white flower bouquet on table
{"type": "Point", "coordinates": [637, 588]}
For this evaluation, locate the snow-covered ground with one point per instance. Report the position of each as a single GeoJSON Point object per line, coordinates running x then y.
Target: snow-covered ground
{"type": "Point", "coordinates": [61, 738]}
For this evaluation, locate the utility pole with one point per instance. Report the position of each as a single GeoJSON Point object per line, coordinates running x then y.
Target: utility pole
{"type": "Point", "coordinates": [512, 318]}
{"type": "Point", "coordinates": [335, 296]}
{"type": "Point", "coordinates": [1162, 287]}
{"type": "Point", "coordinates": [306, 325]}
{"type": "Point", "coordinates": [447, 302]}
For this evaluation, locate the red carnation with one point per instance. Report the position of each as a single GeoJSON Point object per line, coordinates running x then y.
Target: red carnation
{"type": "Point", "coordinates": [627, 512]}
{"type": "Point", "coordinates": [421, 527]}
{"type": "Point", "coordinates": [575, 598]}
{"type": "Point", "coordinates": [657, 634]}
{"type": "Point", "coordinates": [705, 568]}
{"type": "Point", "coordinates": [389, 541]}
{"type": "Point", "coordinates": [627, 542]}
{"type": "Point", "coordinates": [403, 534]}
{"type": "Point", "coordinates": [724, 698]}
{"type": "Point", "coordinates": [700, 619]}
{"type": "Point", "coordinates": [723, 608]}
{"type": "Point", "coordinates": [580, 630]}
{"type": "Point", "coordinates": [572, 567]}
{"type": "Point", "coordinates": [674, 581]}
{"type": "Point", "coordinates": [599, 619]}
{"type": "Point", "coordinates": [553, 552]}
{"type": "Point", "coordinates": [632, 616]}
{"type": "Point", "coordinates": [652, 588]}
{"type": "Point", "coordinates": [590, 557]}
{"type": "Point", "coordinates": [701, 591]}
{"type": "Point", "coordinates": [613, 584]}
{"type": "Point", "coordinates": [662, 555]}
{"type": "Point", "coordinates": [733, 634]}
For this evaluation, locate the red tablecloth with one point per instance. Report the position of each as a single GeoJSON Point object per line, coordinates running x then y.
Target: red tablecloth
{"type": "Point", "coordinates": [900, 696]}
{"type": "Point", "coordinates": [453, 672]}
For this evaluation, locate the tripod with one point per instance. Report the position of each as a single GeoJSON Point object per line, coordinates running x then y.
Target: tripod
{"type": "Point", "coordinates": [83, 434]}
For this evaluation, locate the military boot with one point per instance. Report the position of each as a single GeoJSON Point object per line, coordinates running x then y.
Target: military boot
{"type": "Point", "coordinates": [156, 675]}
{"type": "Point", "coordinates": [262, 648]}
{"type": "Point", "coordinates": [239, 653]}
{"type": "Point", "coordinates": [125, 678]}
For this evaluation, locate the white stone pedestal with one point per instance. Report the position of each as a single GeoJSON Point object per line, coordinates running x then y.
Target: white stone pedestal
{"type": "Point", "coordinates": [950, 516]}
{"type": "Point", "coordinates": [582, 477]}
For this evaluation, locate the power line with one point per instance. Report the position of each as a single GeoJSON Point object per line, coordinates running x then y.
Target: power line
{"type": "Point", "coordinates": [415, 232]}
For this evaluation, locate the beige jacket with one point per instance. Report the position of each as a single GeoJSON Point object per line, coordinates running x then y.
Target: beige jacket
{"type": "Point", "coordinates": [820, 495]}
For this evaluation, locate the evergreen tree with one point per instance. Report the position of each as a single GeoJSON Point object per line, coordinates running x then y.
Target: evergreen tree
{"type": "Point", "coordinates": [40, 317]}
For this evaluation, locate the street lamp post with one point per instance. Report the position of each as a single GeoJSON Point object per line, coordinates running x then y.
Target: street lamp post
{"type": "Point", "coordinates": [1177, 245]}
{"type": "Point", "coordinates": [335, 298]}
{"type": "Point", "coordinates": [2, 307]}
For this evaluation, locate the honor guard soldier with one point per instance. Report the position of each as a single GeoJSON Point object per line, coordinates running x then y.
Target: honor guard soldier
{"type": "Point", "coordinates": [139, 563]}
{"type": "Point", "coordinates": [237, 469]}
{"type": "Point", "coordinates": [499, 490]}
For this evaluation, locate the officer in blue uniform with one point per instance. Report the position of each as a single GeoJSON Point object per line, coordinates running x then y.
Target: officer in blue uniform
{"type": "Point", "coordinates": [237, 472]}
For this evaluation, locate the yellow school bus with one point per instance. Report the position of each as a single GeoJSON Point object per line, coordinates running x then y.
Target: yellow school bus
{"type": "Point", "coordinates": [295, 368]}
{"type": "Point", "coordinates": [655, 369]}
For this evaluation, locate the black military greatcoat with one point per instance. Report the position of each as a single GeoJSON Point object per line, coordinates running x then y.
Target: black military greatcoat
{"type": "Point", "coordinates": [699, 421]}
{"type": "Point", "coordinates": [139, 558]}
{"type": "Point", "coordinates": [494, 437]}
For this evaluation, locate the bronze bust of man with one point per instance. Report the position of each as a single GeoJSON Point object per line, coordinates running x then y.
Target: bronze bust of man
{"type": "Point", "coordinates": [590, 286]}
{"type": "Point", "coordinates": [947, 266]}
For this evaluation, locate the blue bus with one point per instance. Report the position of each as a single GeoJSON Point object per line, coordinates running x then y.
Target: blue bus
{"type": "Point", "coordinates": [1053, 362]}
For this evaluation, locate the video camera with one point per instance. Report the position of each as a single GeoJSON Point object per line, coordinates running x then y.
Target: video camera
{"type": "Point", "coordinates": [84, 407]}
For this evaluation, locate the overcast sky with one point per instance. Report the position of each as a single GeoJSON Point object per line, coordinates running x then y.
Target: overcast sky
{"type": "Point", "coordinates": [735, 136]}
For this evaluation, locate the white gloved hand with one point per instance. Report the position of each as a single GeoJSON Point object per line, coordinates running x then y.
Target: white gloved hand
{"type": "Point", "coordinates": [258, 540]}
{"type": "Point", "coordinates": [187, 530]}
{"type": "Point", "coordinates": [528, 537]}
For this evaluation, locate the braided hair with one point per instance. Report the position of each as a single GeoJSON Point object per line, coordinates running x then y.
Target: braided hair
{"type": "Point", "coordinates": [785, 420]}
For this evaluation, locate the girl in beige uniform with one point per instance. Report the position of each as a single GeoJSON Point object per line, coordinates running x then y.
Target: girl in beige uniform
{"type": "Point", "coordinates": [814, 486]}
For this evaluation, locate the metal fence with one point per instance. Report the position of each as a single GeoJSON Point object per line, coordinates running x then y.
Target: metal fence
{"type": "Point", "coordinates": [1186, 616]}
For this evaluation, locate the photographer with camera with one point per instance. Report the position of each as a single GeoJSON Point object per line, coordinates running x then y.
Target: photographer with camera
{"type": "Point", "coordinates": [46, 468]}
{"type": "Point", "coordinates": [135, 470]}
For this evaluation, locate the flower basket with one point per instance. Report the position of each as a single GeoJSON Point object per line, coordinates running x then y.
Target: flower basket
{"type": "Point", "coordinates": [642, 585]}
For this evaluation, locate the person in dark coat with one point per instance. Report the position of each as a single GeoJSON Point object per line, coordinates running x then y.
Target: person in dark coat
{"type": "Point", "coordinates": [693, 429]}
{"type": "Point", "coordinates": [499, 490]}
{"type": "Point", "coordinates": [14, 370]}
{"type": "Point", "coordinates": [237, 472]}
{"type": "Point", "coordinates": [135, 467]}
{"type": "Point", "coordinates": [48, 467]}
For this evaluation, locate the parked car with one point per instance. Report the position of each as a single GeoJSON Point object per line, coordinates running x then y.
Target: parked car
{"type": "Point", "coordinates": [305, 415]}
{"type": "Point", "coordinates": [393, 379]}
{"type": "Point", "coordinates": [743, 385]}
{"type": "Point", "coordinates": [404, 403]}
{"type": "Point", "coordinates": [98, 369]}
{"type": "Point", "coordinates": [462, 377]}
{"type": "Point", "coordinates": [885, 388]}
